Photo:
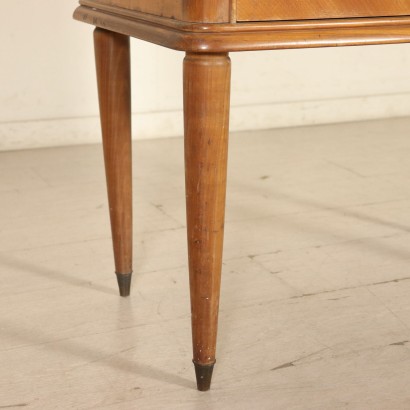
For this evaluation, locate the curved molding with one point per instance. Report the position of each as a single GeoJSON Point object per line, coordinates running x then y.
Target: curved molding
{"type": "Point", "coordinates": [222, 38]}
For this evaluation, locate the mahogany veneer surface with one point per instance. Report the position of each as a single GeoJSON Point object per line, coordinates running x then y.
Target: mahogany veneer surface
{"type": "Point", "coordinates": [263, 10]}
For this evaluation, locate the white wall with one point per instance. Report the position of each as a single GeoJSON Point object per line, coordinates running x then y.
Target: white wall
{"type": "Point", "coordinates": [48, 92]}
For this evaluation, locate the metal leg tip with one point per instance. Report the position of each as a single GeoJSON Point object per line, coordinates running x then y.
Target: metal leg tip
{"type": "Point", "coordinates": [124, 283]}
{"type": "Point", "coordinates": [203, 376]}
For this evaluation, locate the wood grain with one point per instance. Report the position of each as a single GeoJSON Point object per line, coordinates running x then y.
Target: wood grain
{"type": "Point", "coordinates": [167, 8]}
{"type": "Point", "coordinates": [184, 10]}
{"type": "Point", "coordinates": [212, 11]}
{"type": "Point", "coordinates": [251, 10]}
{"type": "Point", "coordinates": [206, 113]}
{"type": "Point", "coordinates": [114, 87]}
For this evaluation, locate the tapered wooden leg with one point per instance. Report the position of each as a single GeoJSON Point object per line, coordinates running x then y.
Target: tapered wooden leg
{"type": "Point", "coordinates": [206, 112]}
{"type": "Point", "coordinates": [112, 54]}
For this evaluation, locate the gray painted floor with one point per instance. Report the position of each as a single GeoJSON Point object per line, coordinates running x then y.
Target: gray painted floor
{"type": "Point", "coordinates": [315, 309]}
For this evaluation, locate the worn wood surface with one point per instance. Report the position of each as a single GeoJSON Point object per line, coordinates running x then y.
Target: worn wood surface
{"type": "Point", "coordinates": [206, 113]}
{"type": "Point", "coordinates": [184, 10]}
{"type": "Point", "coordinates": [218, 38]}
{"type": "Point", "coordinates": [251, 10]}
{"type": "Point", "coordinates": [114, 86]}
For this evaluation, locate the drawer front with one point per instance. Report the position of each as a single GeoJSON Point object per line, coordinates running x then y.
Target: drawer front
{"type": "Point", "coordinates": [263, 10]}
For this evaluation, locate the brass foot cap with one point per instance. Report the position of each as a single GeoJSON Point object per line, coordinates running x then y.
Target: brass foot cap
{"type": "Point", "coordinates": [124, 283]}
{"type": "Point", "coordinates": [203, 376]}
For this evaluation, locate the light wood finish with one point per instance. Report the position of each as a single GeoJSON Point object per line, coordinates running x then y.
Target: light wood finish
{"type": "Point", "coordinates": [113, 74]}
{"type": "Point", "coordinates": [185, 10]}
{"type": "Point", "coordinates": [205, 38]}
{"type": "Point", "coordinates": [206, 113]}
{"type": "Point", "coordinates": [251, 10]}
{"type": "Point", "coordinates": [165, 8]}
{"type": "Point", "coordinates": [233, 12]}
{"type": "Point", "coordinates": [215, 11]}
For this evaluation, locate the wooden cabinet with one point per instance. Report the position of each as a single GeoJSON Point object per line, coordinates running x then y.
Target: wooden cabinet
{"type": "Point", "coordinates": [207, 31]}
{"type": "Point", "coordinates": [220, 11]}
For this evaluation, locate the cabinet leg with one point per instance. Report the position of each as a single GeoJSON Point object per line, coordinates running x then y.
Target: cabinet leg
{"type": "Point", "coordinates": [206, 113]}
{"type": "Point", "coordinates": [112, 53]}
